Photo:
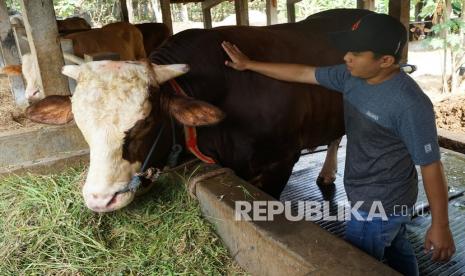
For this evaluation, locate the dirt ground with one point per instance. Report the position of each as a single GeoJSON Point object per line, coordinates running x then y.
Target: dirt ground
{"type": "Point", "coordinates": [11, 117]}
{"type": "Point", "coordinates": [450, 108]}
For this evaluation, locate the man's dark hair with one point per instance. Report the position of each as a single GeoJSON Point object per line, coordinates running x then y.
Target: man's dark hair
{"type": "Point", "coordinates": [397, 57]}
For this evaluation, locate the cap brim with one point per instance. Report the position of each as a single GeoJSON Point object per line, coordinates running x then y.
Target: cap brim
{"type": "Point", "coordinates": [347, 41]}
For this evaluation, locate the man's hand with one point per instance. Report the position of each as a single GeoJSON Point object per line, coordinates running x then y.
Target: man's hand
{"type": "Point", "coordinates": [439, 240]}
{"type": "Point", "coordinates": [238, 59]}
{"type": "Point", "coordinates": [280, 71]}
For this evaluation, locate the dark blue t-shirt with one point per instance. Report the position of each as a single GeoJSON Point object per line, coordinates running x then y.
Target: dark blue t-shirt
{"type": "Point", "coordinates": [390, 128]}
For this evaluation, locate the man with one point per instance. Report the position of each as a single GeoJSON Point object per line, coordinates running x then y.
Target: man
{"type": "Point", "coordinates": [390, 128]}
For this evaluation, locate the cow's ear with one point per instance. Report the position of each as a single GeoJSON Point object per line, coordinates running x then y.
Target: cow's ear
{"type": "Point", "coordinates": [71, 71]}
{"type": "Point", "coordinates": [12, 70]}
{"type": "Point", "coordinates": [191, 112]}
{"type": "Point", "coordinates": [53, 110]}
{"type": "Point", "coordinates": [412, 30]}
{"type": "Point", "coordinates": [164, 73]}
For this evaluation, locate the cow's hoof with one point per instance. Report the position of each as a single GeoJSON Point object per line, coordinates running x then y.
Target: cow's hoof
{"type": "Point", "coordinates": [325, 181]}
{"type": "Point", "coordinates": [327, 191]}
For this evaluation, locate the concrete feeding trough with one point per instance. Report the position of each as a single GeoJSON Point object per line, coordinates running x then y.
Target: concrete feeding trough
{"type": "Point", "coordinates": [44, 150]}
{"type": "Point", "coordinates": [278, 247]}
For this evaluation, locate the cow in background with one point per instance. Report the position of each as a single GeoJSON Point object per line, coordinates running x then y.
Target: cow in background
{"type": "Point", "coordinates": [122, 38]}
{"type": "Point", "coordinates": [67, 25]}
{"type": "Point", "coordinates": [419, 30]}
{"type": "Point", "coordinates": [72, 24]}
{"type": "Point", "coordinates": [154, 35]}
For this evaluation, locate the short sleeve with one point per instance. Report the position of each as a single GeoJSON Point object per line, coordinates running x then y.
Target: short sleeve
{"type": "Point", "coordinates": [332, 77]}
{"type": "Point", "coordinates": [417, 128]}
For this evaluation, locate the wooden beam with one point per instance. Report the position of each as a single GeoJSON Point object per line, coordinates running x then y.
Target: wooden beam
{"type": "Point", "coordinates": [101, 56]}
{"type": "Point", "coordinates": [42, 32]}
{"type": "Point", "coordinates": [68, 50]}
{"type": "Point", "coordinates": [208, 4]}
{"type": "Point", "coordinates": [271, 12]}
{"type": "Point", "coordinates": [290, 4]}
{"type": "Point", "coordinates": [400, 9]}
{"type": "Point", "coordinates": [124, 11]}
{"type": "Point", "coordinates": [242, 12]}
{"type": "Point", "coordinates": [10, 55]}
{"type": "Point", "coordinates": [290, 12]}
{"type": "Point", "coordinates": [207, 18]}
{"type": "Point", "coordinates": [366, 4]}
{"type": "Point", "coordinates": [22, 43]}
{"type": "Point", "coordinates": [166, 14]}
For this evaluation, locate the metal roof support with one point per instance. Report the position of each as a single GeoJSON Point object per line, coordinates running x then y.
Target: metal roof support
{"type": "Point", "coordinates": [42, 32]}
{"type": "Point", "coordinates": [10, 55]}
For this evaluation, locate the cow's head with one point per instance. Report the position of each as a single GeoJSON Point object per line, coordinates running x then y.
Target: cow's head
{"type": "Point", "coordinates": [117, 114]}
{"type": "Point", "coordinates": [30, 74]}
{"type": "Point", "coordinates": [418, 31]}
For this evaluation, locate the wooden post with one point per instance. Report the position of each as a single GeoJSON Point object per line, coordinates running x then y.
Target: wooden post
{"type": "Point", "coordinates": [42, 32]}
{"type": "Point", "coordinates": [166, 14]}
{"type": "Point", "coordinates": [242, 12]}
{"type": "Point", "coordinates": [291, 10]}
{"type": "Point", "coordinates": [101, 56]}
{"type": "Point", "coordinates": [271, 12]}
{"type": "Point", "coordinates": [400, 9]}
{"type": "Point", "coordinates": [20, 35]}
{"type": "Point", "coordinates": [207, 6]}
{"type": "Point", "coordinates": [10, 55]}
{"type": "Point", "coordinates": [124, 11]}
{"type": "Point", "coordinates": [207, 18]}
{"type": "Point", "coordinates": [366, 4]}
{"type": "Point", "coordinates": [67, 47]}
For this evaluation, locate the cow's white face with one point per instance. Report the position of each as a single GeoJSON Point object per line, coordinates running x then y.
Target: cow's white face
{"type": "Point", "coordinates": [109, 99]}
{"type": "Point", "coordinates": [31, 75]}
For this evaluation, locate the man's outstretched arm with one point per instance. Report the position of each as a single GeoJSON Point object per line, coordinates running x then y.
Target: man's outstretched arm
{"type": "Point", "coordinates": [439, 237]}
{"type": "Point", "coordinates": [281, 71]}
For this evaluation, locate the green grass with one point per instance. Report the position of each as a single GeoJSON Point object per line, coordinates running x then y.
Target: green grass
{"type": "Point", "coordinates": [46, 229]}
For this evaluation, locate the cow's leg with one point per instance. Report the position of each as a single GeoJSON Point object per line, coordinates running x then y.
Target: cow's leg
{"type": "Point", "coordinates": [328, 172]}
{"type": "Point", "coordinates": [275, 176]}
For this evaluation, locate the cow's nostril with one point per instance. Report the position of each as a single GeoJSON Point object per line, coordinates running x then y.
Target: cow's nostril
{"type": "Point", "coordinates": [35, 93]}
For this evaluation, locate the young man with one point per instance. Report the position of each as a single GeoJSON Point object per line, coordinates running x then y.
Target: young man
{"type": "Point", "coordinates": [390, 128]}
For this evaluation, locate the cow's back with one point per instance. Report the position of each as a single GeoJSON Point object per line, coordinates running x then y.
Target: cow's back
{"type": "Point", "coordinates": [309, 112]}
{"type": "Point", "coordinates": [120, 37]}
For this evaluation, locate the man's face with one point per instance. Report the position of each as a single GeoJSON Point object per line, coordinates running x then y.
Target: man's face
{"type": "Point", "coordinates": [363, 64]}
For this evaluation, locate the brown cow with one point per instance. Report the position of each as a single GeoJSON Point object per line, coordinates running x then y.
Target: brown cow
{"type": "Point", "coordinates": [72, 24]}
{"type": "Point", "coordinates": [154, 35]}
{"type": "Point", "coordinates": [255, 125]}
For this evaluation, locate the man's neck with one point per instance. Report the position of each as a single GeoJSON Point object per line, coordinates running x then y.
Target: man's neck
{"type": "Point", "coordinates": [383, 75]}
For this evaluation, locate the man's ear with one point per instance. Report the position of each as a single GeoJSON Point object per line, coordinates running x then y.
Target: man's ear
{"type": "Point", "coordinates": [387, 61]}
{"type": "Point", "coordinates": [191, 112]}
{"type": "Point", "coordinates": [53, 110]}
{"type": "Point", "coordinates": [12, 70]}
